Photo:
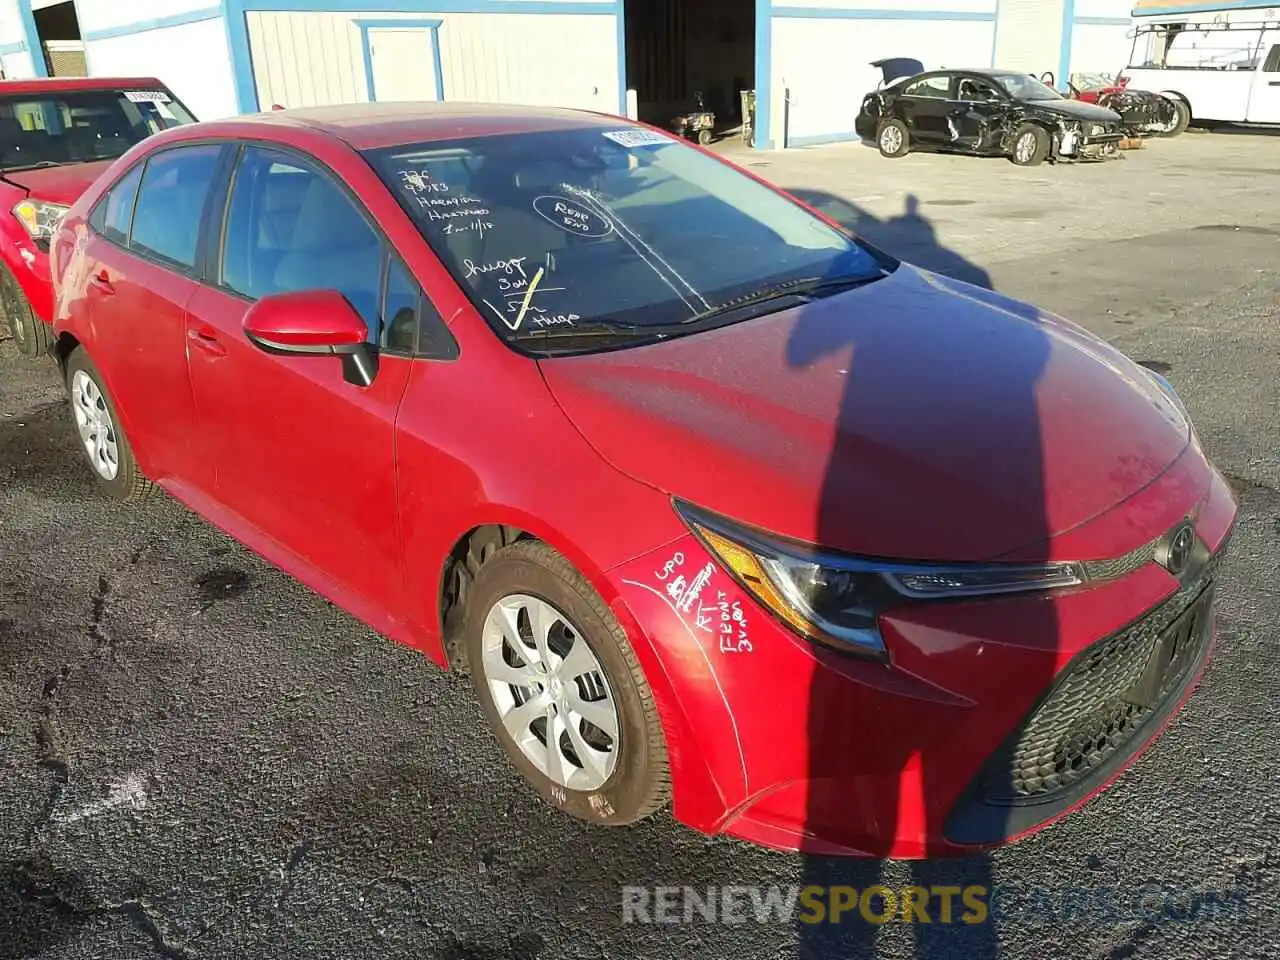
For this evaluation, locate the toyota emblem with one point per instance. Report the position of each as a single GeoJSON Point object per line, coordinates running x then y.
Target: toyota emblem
{"type": "Point", "coordinates": [1177, 552]}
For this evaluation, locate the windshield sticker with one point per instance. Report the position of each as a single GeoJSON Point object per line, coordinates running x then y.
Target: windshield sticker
{"type": "Point", "coordinates": [419, 181]}
{"type": "Point", "coordinates": [572, 217]}
{"type": "Point", "coordinates": [146, 96]}
{"type": "Point", "coordinates": [638, 138]}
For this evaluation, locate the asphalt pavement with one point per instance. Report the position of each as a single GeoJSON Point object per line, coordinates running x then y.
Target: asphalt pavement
{"type": "Point", "coordinates": [200, 758]}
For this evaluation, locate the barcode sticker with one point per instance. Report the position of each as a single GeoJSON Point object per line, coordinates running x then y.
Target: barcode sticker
{"type": "Point", "coordinates": [638, 138]}
{"type": "Point", "coordinates": [146, 96]}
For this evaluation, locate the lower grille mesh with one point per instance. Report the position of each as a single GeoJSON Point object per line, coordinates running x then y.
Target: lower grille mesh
{"type": "Point", "coordinates": [1092, 711]}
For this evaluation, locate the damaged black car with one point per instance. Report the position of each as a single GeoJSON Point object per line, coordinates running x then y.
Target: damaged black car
{"type": "Point", "coordinates": [984, 113]}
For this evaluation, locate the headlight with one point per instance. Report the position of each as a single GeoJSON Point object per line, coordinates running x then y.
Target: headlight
{"type": "Point", "coordinates": [836, 600]}
{"type": "Point", "coordinates": [40, 219]}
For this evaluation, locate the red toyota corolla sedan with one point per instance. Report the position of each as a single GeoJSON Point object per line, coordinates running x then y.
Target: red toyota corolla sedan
{"type": "Point", "coordinates": [714, 502]}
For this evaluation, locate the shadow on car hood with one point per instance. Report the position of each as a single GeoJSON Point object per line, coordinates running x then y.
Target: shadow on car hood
{"type": "Point", "coordinates": [916, 417]}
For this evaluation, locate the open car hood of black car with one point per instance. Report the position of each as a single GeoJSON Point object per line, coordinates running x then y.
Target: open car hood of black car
{"type": "Point", "coordinates": [895, 68]}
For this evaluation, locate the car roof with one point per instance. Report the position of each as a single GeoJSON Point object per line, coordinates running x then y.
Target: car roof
{"type": "Point", "coordinates": [368, 126]}
{"type": "Point", "coordinates": [49, 84]}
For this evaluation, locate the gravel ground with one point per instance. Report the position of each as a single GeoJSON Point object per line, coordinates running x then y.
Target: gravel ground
{"type": "Point", "coordinates": [199, 758]}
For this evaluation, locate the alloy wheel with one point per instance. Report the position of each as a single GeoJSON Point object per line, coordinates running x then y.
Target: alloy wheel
{"type": "Point", "coordinates": [1026, 147]}
{"type": "Point", "coordinates": [551, 693]}
{"type": "Point", "coordinates": [891, 139]}
{"type": "Point", "coordinates": [93, 420]}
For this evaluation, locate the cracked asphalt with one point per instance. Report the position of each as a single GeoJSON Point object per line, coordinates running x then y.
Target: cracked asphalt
{"type": "Point", "coordinates": [199, 758]}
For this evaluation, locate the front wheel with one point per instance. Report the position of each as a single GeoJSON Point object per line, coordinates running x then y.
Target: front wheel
{"type": "Point", "coordinates": [704, 136]}
{"type": "Point", "coordinates": [561, 687]}
{"type": "Point", "coordinates": [894, 139]}
{"type": "Point", "coordinates": [98, 425]}
{"type": "Point", "coordinates": [1030, 145]}
{"type": "Point", "coordinates": [30, 334]}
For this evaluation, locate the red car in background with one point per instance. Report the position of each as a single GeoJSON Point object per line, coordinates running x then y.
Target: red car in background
{"type": "Point", "coordinates": [56, 137]}
{"type": "Point", "coordinates": [715, 502]}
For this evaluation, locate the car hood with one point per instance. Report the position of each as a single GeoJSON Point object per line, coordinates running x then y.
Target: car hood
{"type": "Point", "coordinates": [1078, 110]}
{"type": "Point", "coordinates": [916, 417]}
{"type": "Point", "coordinates": [62, 184]}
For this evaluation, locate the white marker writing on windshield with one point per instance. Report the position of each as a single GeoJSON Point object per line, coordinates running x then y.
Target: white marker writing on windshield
{"type": "Point", "coordinates": [528, 297]}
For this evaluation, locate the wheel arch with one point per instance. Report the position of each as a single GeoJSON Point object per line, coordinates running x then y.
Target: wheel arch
{"type": "Point", "coordinates": [697, 799]}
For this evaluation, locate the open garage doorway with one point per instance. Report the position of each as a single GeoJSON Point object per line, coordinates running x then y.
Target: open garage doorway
{"type": "Point", "coordinates": [60, 40]}
{"type": "Point", "coordinates": [677, 49]}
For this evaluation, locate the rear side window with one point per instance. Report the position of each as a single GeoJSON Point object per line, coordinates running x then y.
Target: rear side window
{"type": "Point", "coordinates": [935, 88]}
{"type": "Point", "coordinates": [171, 200]}
{"type": "Point", "coordinates": [112, 215]}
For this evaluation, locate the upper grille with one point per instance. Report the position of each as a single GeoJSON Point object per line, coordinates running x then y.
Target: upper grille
{"type": "Point", "coordinates": [1094, 709]}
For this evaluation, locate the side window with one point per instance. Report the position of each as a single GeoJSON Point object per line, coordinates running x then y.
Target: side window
{"type": "Point", "coordinates": [112, 215]}
{"type": "Point", "coordinates": [977, 91]}
{"type": "Point", "coordinates": [1272, 63]}
{"type": "Point", "coordinates": [400, 309]}
{"type": "Point", "coordinates": [175, 184]}
{"type": "Point", "coordinates": [935, 88]}
{"type": "Point", "coordinates": [291, 228]}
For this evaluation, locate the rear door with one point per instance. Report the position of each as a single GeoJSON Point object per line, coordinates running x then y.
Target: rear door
{"type": "Point", "coordinates": [925, 104]}
{"type": "Point", "coordinates": [1264, 101]}
{"type": "Point", "coordinates": [141, 255]}
{"type": "Point", "coordinates": [303, 456]}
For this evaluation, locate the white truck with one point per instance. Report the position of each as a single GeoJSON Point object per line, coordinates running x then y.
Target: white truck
{"type": "Point", "coordinates": [1220, 62]}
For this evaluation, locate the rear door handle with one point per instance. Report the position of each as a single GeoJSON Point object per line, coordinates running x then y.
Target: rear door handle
{"type": "Point", "coordinates": [102, 283]}
{"type": "Point", "coordinates": [1273, 83]}
{"type": "Point", "coordinates": [205, 339]}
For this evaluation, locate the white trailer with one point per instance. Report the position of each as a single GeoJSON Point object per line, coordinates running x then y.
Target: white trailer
{"type": "Point", "coordinates": [1220, 60]}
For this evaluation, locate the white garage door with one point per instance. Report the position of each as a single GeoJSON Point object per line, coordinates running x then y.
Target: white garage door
{"type": "Point", "coordinates": [1029, 36]}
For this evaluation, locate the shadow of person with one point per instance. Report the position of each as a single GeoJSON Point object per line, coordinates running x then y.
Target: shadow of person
{"type": "Point", "coordinates": [910, 236]}
{"type": "Point", "coordinates": [936, 455]}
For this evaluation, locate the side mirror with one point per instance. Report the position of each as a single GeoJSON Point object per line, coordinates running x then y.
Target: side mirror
{"type": "Point", "coordinates": [318, 322]}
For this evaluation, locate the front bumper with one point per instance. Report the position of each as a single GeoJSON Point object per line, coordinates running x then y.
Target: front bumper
{"type": "Point", "coordinates": [1073, 149]}
{"type": "Point", "coordinates": [810, 750]}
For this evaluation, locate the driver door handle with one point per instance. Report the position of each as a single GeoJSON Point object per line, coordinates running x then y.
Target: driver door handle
{"type": "Point", "coordinates": [102, 283]}
{"type": "Point", "coordinates": [203, 338]}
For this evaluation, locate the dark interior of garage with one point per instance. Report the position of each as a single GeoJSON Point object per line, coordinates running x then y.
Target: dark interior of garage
{"type": "Point", "coordinates": [59, 32]}
{"type": "Point", "coordinates": [678, 48]}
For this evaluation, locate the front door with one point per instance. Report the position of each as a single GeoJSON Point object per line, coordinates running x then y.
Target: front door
{"type": "Point", "coordinates": [141, 258]}
{"type": "Point", "coordinates": [404, 64]}
{"type": "Point", "coordinates": [1264, 101]}
{"type": "Point", "coordinates": [303, 456]}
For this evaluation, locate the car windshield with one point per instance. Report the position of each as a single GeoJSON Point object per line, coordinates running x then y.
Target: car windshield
{"type": "Point", "coordinates": [76, 126]}
{"type": "Point", "coordinates": [599, 229]}
{"type": "Point", "coordinates": [1023, 87]}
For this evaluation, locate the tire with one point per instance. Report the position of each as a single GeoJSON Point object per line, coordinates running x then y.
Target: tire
{"type": "Point", "coordinates": [628, 781]}
{"type": "Point", "coordinates": [898, 139]}
{"type": "Point", "coordinates": [704, 137]}
{"type": "Point", "coordinates": [31, 335]}
{"type": "Point", "coordinates": [88, 396]}
{"type": "Point", "coordinates": [1030, 145]}
{"type": "Point", "coordinates": [1184, 118]}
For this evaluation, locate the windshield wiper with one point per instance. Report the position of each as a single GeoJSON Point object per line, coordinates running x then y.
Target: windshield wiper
{"type": "Point", "coordinates": [800, 287]}
{"type": "Point", "coordinates": [32, 166]}
{"type": "Point", "coordinates": [595, 328]}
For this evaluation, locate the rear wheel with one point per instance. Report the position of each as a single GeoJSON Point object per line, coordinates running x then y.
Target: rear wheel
{"type": "Point", "coordinates": [1181, 121]}
{"type": "Point", "coordinates": [894, 139]}
{"type": "Point", "coordinates": [1030, 145]}
{"type": "Point", "coordinates": [30, 334]}
{"type": "Point", "coordinates": [98, 425]}
{"type": "Point", "coordinates": [704, 136]}
{"type": "Point", "coordinates": [562, 688]}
